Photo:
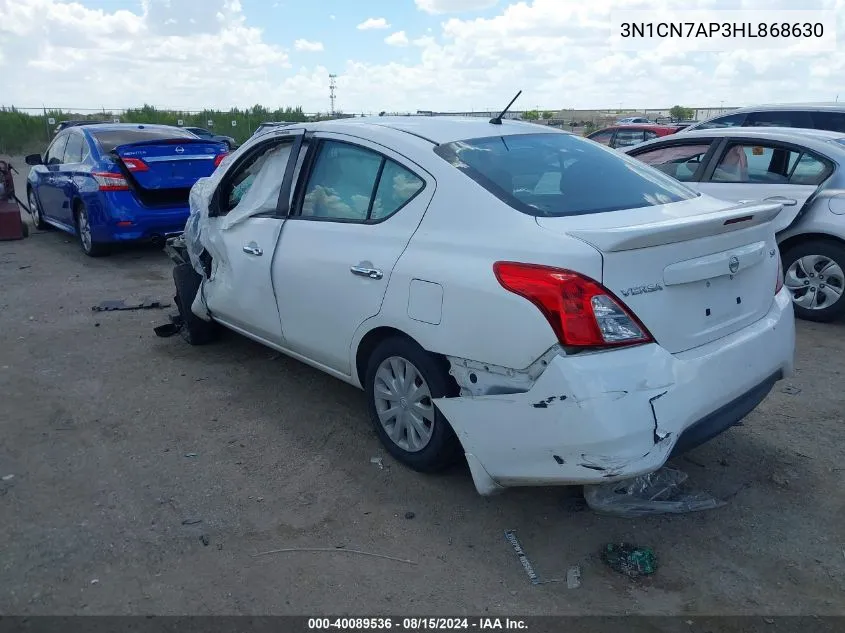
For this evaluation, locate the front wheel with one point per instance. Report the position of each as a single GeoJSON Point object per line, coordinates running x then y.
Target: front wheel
{"type": "Point", "coordinates": [815, 278]}
{"type": "Point", "coordinates": [401, 383]}
{"type": "Point", "coordinates": [86, 235]}
{"type": "Point", "coordinates": [194, 330]}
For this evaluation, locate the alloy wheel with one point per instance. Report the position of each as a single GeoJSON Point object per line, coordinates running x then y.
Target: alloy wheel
{"type": "Point", "coordinates": [815, 281]}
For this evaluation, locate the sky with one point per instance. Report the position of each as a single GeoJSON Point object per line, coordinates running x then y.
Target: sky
{"type": "Point", "coordinates": [393, 55]}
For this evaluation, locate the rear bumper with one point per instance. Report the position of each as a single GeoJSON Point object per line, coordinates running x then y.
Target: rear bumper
{"type": "Point", "coordinates": [595, 418]}
{"type": "Point", "coordinates": [122, 219]}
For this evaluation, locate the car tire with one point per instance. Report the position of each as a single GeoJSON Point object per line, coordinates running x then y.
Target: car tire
{"type": "Point", "coordinates": [194, 330]}
{"type": "Point", "coordinates": [803, 264]}
{"type": "Point", "coordinates": [85, 235]}
{"type": "Point", "coordinates": [35, 210]}
{"type": "Point", "coordinates": [430, 379]}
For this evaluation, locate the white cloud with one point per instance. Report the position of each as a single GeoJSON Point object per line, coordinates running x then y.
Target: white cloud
{"type": "Point", "coordinates": [397, 39]}
{"type": "Point", "coordinates": [65, 54]}
{"type": "Point", "coordinates": [332, 17]}
{"type": "Point", "coordinates": [310, 47]}
{"type": "Point", "coordinates": [454, 6]}
{"type": "Point", "coordinates": [373, 23]}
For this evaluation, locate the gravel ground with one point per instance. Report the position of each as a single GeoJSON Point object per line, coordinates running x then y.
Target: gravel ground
{"type": "Point", "coordinates": [141, 476]}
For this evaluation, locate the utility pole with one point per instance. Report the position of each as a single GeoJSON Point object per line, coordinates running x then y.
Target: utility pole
{"type": "Point", "coordinates": [332, 88]}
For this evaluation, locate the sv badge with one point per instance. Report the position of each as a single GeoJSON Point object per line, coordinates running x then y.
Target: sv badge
{"type": "Point", "coordinates": [638, 290]}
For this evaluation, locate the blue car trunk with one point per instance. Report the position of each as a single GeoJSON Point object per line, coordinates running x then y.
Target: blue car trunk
{"type": "Point", "coordinates": [162, 172]}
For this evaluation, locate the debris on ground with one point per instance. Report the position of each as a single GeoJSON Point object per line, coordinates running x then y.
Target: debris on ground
{"type": "Point", "coordinates": [288, 550]}
{"type": "Point", "coordinates": [170, 329]}
{"type": "Point", "coordinates": [190, 454]}
{"type": "Point", "coordinates": [533, 576]}
{"type": "Point", "coordinates": [573, 577]}
{"type": "Point", "coordinates": [95, 581]}
{"type": "Point", "coordinates": [191, 521]}
{"type": "Point", "coordinates": [204, 539]}
{"type": "Point", "coordinates": [377, 461]}
{"type": "Point", "coordinates": [409, 515]}
{"type": "Point", "coordinates": [790, 390]}
{"type": "Point", "coordinates": [628, 559]}
{"type": "Point", "coordinates": [781, 480]}
{"type": "Point", "coordinates": [8, 477]}
{"type": "Point", "coordinates": [659, 492]}
{"type": "Point", "coordinates": [111, 305]}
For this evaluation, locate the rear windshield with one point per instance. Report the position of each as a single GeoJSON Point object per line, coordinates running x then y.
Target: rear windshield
{"type": "Point", "coordinates": [552, 175]}
{"type": "Point", "coordinates": [109, 139]}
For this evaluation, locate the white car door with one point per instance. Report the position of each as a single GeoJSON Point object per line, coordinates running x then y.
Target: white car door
{"type": "Point", "coordinates": [356, 207]}
{"type": "Point", "coordinates": [247, 213]}
{"type": "Point", "coordinates": [765, 170]}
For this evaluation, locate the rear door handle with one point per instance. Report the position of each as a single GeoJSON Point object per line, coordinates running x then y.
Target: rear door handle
{"type": "Point", "coordinates": [372, 273]}
{"type": "Point", "coordinates": [253, 249]}
{"type": "Point", "coordinates": [787, 202]}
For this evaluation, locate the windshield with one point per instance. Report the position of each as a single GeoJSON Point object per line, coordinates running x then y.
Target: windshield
{"type": "Point", "coordinates": [109, 139]}
{"type": "Point", "coordinates": [560, 174]}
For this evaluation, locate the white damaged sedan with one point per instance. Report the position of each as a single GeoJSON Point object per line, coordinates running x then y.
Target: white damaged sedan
{"type": "Point", "coordinates": [552, 310]}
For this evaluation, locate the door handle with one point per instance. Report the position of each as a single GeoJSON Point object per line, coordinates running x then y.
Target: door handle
{"type": "Point", "coordinates": [787, 202]}
{"type": "Point", "coordinates": [372, 273]}
{"type": "Point", "coordinates": [253, 249]}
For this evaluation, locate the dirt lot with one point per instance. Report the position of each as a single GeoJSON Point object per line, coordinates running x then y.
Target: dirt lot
{"type": "Point", "coordinates": [147, 473]}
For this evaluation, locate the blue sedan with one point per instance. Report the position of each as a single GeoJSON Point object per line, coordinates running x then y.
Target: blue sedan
{"type": "Point", "coordinates": [118, 182]}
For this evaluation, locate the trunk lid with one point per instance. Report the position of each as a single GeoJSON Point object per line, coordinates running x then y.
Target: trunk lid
{"type": "Point", "coordinates": [168, 167]}
{"type": "Point", "coordinates": [691, 271]}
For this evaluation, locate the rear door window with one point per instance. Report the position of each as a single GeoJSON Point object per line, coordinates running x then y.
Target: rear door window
{"type": "Point", "coordinates": [833, 121]}
{"type": "Point", "coordinates": [779, 118]}
{"type": "Point", "coordinates": [75, 149]}
{"type": "Point", "coordinates": [626, 138]}
{"type": "Point", "coordinates": [552, 175]}
{"type": "Point", "coordinates": [731, 120]}
{"type": "Point", "coordinates": [352, 183]}
{"type": "Point", "coordinates": [604, 137]}
{"type": "Point", "coordinates": [679, 161]}
{"type": "Point", "coordinates": [763, 163]}
{"type": "Point", "coordinates": [109, 139]}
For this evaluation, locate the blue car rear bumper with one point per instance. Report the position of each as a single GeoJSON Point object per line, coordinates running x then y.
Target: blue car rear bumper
{"type": "Point", "coordinates": [119, 218]}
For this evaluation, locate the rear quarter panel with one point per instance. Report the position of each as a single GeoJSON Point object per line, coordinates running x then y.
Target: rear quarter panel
{"type": "Point", "coordinates": [464, 232]}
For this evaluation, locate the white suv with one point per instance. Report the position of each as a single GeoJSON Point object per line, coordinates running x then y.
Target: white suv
{"type": "Point", "coordinates": [553, 310]}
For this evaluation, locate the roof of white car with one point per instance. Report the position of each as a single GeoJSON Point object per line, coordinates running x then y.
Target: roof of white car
{"type": "Point", "coordinates": [829, 105]}
{"type": "Point", "coordinates": [818, 140]}
{"type": "Point", "coordinates": [438, 129]}
{"type": "Point", "coordinates": [778, 133]}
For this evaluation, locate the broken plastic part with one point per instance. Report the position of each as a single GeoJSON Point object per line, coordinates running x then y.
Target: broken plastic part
{"type": "Point", "coordinates": [659, 492]}
{"type": "Point", "coordinates": [483, 379]}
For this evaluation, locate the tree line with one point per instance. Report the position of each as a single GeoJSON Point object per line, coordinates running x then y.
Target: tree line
{"type": "Point", "coordinates": [23, 132]}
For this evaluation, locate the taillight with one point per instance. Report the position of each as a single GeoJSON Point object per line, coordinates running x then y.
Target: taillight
{"type": "Point", "coordinates": [219, 159]}
{"type": "Point", "coordinates": [109, 181]}
{"type": "Point", "coordinates": [779, 280]}
{"type": "Point", "coordinates": [581, 311]}
{"type": "Point", "coordinates": [135, 164]}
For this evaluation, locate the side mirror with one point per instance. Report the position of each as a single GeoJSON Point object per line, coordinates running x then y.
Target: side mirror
{"type": "Point", "coordinates": [34, 159]}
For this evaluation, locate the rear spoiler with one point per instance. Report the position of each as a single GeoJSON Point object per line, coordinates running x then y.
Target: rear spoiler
{"type": "Point", "coordinates": [626, 238]}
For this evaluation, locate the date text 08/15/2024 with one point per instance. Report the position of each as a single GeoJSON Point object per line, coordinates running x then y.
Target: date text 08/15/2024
{"type": "Point", "coordinates": [417, 624]}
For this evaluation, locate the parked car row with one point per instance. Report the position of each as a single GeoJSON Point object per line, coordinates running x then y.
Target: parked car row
{"type": "Point", "coordinates": [785, 153]}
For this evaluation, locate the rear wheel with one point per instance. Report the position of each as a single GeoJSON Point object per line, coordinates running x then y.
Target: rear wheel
{"type": "Point", "coordinates": [815, 276]}
{"type": "Point", "coordinates": [85, 234]}
{"type": "Point", "coordinates": [194, 330]}
{"type": "Point", "coordinates": [401, 383]}
{"type": "Point", "coordinates": [35, 211]}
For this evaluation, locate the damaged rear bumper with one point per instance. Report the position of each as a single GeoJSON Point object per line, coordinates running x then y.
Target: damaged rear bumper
{"type": "Point", "coordinates": [606, 416]}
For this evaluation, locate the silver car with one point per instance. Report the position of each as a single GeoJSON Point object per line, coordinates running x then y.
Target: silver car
{"type": "Point", "coordinates": [813, 116]}
{"type": "Point", "coordinates": [802, 169]}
